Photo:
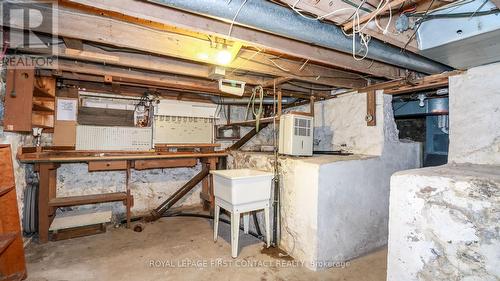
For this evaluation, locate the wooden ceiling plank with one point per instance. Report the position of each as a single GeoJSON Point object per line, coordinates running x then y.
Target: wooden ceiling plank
{"type": "Point", "coordinates": [149, 12]}
{"type": "Point", "coordinates": [126, 35]}
{"type": "Point", "coordinates": [385, 7]}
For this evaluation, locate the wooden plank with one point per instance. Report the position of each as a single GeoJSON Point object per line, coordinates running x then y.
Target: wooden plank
{"type": "Point", "coordinates": [80, 231]}
{"type": "Point", "coordinates": [18, 100]}
{"type": "Point", "coordinates": [164, 163]}
{"type": "Point", "coordinates": [105, 117]}
{"type": "Point", "coordinates": [12, 259]}
{"type": "Point", "coordinates": [385, 7]}
{"type": "Point", "coordinates": [107, 165]}
{"type": "Point", "coordinates": [48, 177]}
{"type": "Point", "coordinates": [165, 205]}
{"type": "Point", "coordinates": [88, 199]}
{"type": "Point", "coordinates": [187, 145]}
{"type": "Point", "coordinates": [142, 77]}
{"type": "Point", "coordinates": [251, 123]}
{"type": "Point", "coordinates": [246, 138]}
{"type": "Point", "coordinates": [276, 82]}
{"type": "Point", "coordinates": [175, 46]}
{"type": "Point", "coordinates": [60, 157]}
{"type": "Point", "coordinates": [371, 107]}
{"type": "Point", "coordinates": [186, 23]}
{"type": "Point", "coordinates": [401, 86]}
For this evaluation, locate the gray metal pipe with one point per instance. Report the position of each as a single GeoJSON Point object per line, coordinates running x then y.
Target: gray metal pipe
{"type": "Point", "coordinates": [244, 101]}
{"type": "Point", "coordinates": [272, 18]}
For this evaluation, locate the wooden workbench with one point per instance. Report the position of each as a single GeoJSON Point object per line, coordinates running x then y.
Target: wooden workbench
{"type": "Point", "coordinates": [48, 159]}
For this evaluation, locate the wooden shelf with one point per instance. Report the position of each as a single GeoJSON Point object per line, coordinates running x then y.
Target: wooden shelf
{"type": "Point", "coordinates": [4, 190]}
{"type": "Point", "coordinates": [41, 107]}
{"type": "Point", "coordinates": [88, 199]}
{"type": "Point", "coordinates": [41, 93]}
{"type": "Point", "coordinates": [6, 239]}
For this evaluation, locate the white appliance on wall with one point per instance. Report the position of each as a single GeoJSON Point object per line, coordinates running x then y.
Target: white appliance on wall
{"type": "Point", "coordinates": [296, 135]}
{"type": "Point", "coordinates": [184, 122]}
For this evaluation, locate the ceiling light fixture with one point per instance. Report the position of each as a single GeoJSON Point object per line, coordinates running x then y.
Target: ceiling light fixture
{"type": "Point", "coordinates": [223, 56]}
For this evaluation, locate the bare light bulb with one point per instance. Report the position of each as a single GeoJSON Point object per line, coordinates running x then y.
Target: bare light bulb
{"type": "Point", "coordinates": [223, 57]}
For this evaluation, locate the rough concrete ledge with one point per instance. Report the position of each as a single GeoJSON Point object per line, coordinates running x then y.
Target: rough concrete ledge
{"type": "Point", "coordinates": [444, 223]}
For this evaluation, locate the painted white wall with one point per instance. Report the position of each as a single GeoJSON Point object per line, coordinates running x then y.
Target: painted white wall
{"type": "Point", "coordinates": [357, 191]}
{"type": "Point", "coordinates": [474, 116]}
{"type": "Point", "coordinates": [444, 224]}
{"type": "Point", "coordinates": [335, 208]}
{"type": "Point", "coordinates": [444, 220]}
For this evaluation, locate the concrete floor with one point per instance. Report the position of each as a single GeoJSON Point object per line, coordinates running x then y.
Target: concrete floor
{"type": "Point", "coordinates": [183, 249]}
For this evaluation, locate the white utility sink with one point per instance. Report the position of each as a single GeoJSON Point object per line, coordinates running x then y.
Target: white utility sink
{"type": "Point", "coordinates": [242, 186]}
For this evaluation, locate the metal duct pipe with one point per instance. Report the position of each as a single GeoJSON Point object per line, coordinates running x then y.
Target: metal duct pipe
{"type": "Point", "coordinates": [272, 18]}
{"type": "Point", "coordinates": [244, 101]}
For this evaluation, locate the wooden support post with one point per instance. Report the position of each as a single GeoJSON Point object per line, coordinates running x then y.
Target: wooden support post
{"type": "Point", "coordinates": [371, 107]}
{"type": "Point", "coordinates": [311, 105]}
{"type": "Point", "coordinates": [46, 192]}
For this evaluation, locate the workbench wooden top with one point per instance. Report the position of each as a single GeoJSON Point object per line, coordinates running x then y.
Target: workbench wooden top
{"type": "Point", "coordinates": [85, 156]}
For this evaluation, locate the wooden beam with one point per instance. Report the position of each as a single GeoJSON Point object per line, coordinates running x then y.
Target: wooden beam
{"type": "Point", "coordinates": [371, 108]}
{"type": "Point", "coordinates": [246, 138]}
{"type": "Point", "coordinates": [402, 86]}
{"type": "Point", "coordinates": [385, 7]}
{"type": "Point", "coordinates": [98, 54]}
{"type": "Point", "coordinates": [126, 35]}
{"type": "Point", "coordinates": [275, 82]}
{"type": "Point", "coordinates": [141, 77]}
{"type": "Point", "coordinates": [392, 36]}
{"type": "Point", "coordinates": [179, 21]}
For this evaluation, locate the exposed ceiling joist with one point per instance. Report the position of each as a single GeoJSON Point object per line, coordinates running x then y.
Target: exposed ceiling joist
{"type": "Point", "coordinates": [94, 53]}
{"type": "Point", "coordinates": [148, 12]}
{"type": "Point", "coordinates": [392, 4]}
{"type": "Point", "coordinates": [95, 73]}
{"type": "Point", "coordinates": [402, 86]}
{"type": "Point", "coordinates": [126, 35]}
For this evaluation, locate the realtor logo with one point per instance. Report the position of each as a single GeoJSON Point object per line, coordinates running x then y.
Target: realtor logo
{"type": "Point", "coordinates": [27, 36]}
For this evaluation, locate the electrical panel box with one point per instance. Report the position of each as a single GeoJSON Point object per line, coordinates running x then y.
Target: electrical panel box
{"type": "Point", "coordinates": [296, 135]}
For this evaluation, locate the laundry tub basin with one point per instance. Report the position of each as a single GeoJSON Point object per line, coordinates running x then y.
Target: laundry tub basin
{"type": "Point", "coordinates": [242, 186]}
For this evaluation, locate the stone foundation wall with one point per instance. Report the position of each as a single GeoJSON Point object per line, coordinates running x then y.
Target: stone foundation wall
{"type": "Point", "coordinates": [444, 224]}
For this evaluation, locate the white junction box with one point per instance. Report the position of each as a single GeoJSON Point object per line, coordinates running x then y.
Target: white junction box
{"type": "Point", "coordinates": [296, 135]}
{"type": "Point", "coordinates": [113, 138]}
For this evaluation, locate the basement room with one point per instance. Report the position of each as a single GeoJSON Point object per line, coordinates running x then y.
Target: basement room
{"type": "Point", "coordinates": [354, 140]}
